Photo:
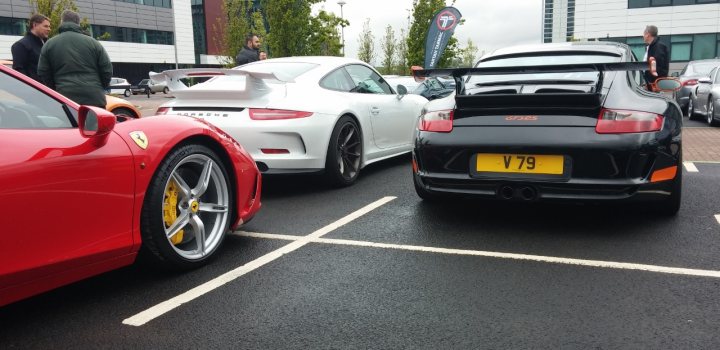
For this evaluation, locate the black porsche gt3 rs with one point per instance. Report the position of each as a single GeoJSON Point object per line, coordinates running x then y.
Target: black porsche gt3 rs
{"type": "Point", "coordinates": [552, 122]}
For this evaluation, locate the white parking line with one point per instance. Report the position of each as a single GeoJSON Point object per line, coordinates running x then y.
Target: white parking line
{"type": "Point", "coordinates": [168, 305]}
{"type": "Point", "coordinates": [690, 167]}
{"type": "Point", "coordinates": [499, 255]}
{"type": "Point", "coordinates": [717, 217]}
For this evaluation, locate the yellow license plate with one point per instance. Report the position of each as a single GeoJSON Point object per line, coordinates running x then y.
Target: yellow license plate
{"type": "Point", "coordinates": [520, 163]}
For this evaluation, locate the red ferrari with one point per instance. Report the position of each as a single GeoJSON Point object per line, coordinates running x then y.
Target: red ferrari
{"type": "Point", "coordinates": [82, 195]}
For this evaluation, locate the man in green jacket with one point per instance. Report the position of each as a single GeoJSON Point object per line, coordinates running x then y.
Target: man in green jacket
{"type": "Point", "coordinates": [75, 65]}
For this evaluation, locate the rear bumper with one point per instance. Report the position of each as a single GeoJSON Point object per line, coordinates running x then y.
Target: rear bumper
{"type": "Point", "coordinates": [527, 191]}
{"type": "Point", "coordinates": [610, 167]}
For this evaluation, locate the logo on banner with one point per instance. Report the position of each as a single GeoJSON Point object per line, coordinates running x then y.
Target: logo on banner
{"type": "Point", "coordinates": [446, 21]}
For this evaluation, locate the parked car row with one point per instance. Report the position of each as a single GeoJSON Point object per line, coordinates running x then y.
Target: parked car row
{"type": "Point", "coordinates": [703, 90]}
{"type": "Point", "coordinates": [556, 122]}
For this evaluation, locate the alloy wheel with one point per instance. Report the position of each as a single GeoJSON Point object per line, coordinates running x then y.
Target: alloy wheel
{"type": "Point", "coordinates": [711, 112]}
{"type": "Point", "coordinates": [195, 216]}
{"type": "Point", "coordinates": [349, 150]}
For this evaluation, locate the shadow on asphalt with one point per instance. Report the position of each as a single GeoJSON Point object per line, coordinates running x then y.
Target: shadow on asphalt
{"type": "Point", "coordinates": [274, 186]}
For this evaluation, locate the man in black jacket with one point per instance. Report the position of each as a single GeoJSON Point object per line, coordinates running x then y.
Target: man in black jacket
{"type": "Point", "coordinates": [250, 52]}
{"type": "Point", "coordinates": [655, 48]}
{"type": "Point", "coordinates": [26, 51]}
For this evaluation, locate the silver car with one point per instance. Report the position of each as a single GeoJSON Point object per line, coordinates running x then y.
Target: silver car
{"type": "Point", "coordinates": [704, 99]}
{"type": "Point", "coordinates": [689, 79]}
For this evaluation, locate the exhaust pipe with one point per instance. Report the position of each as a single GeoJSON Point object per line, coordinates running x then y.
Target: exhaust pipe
{"type": "Point", "coordinates": [527, 193]}
{"type": "Point", "coordinates": [506, 192]}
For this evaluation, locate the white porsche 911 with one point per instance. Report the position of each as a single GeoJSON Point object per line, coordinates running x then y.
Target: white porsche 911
{"type": "Point", "coordinates": [302, 114]}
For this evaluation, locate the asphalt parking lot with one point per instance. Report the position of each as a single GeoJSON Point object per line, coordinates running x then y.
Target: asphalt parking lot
{"type": "Point", "coordinates": [373, 266]}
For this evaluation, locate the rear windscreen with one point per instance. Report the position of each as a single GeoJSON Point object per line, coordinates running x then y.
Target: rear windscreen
{"type": "Point", "coordinates": [541, 60]}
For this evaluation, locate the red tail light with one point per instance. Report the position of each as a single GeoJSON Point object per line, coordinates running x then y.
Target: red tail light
{"type": "Point", "coordinates": [437, 121]}
{"type": "Point", "coordinates": [690, 82]}
{"type": "Point", "coordinates": [612, 121]}
{"type": "Point", "coordinates": [162, 110]}
{"type": "Point", "coordinates": [276, 114]}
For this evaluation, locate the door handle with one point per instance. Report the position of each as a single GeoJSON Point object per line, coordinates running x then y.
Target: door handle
{"type": "Point", "coordinates": [374, 110]}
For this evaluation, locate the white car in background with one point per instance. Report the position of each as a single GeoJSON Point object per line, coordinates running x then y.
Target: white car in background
{"type": "Point", "coordinates": [120, 86]}
{"type": "Point", "coordinates": [302, 114]}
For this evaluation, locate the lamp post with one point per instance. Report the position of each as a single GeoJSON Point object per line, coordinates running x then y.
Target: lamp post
{"type": "Point", "coordinates": [342, 26]}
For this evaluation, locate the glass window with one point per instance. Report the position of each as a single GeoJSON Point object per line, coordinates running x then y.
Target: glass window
{"type": "Point", "coordinates": [24, 107]}
{"type": "Point", "coordinates": [703, 46]}
{"type": "Point", "coordinates": [337, 80]}
{"type": "Point", "coordinates": [638, 3]}
{"type": "Point", "coordinates": [717, 77]}
{"type": "Point", "coordinates": [367, 81]}
{"type": "Point", "coordinates": [661, 2]}
{"type": "Point", "coordinates": [680, 51]}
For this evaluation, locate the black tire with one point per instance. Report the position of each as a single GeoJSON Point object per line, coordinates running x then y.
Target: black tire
{"type": "Point", "coordinates": [711, 112]}
{"type": "Point", "coordinates": [186, 163]}
{"type": "Point", "coordinates": [671, 205]}
{"type": "Point", "coordinates": [153, 92]}
{"type": "Point", "coordinates": [344, 155]}
{"type": "Point", "coordinates": [690, 109]}
{"type": "Point", "coordinates": [127, 93]}
{"type": "Point", "coordinates": [166, 90]}
{"type": "Point", "coordinates": [423, 193]}
{"type": "Point", "coordinates": [124, 114]}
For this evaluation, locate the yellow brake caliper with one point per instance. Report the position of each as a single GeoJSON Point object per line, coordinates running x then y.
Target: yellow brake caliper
{"type": "Point", "coordinates": [170, 209]}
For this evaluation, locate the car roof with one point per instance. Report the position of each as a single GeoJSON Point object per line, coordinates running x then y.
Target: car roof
{"type": "Point", "coordinates": [322, 60]}
{"type": "Point", "coordinates": [598, 46]}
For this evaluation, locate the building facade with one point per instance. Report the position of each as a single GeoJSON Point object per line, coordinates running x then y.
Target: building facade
{"type": "Point", "coordinates": [690, 28]}
{"type": "Point", "coordinates": [139, 35]}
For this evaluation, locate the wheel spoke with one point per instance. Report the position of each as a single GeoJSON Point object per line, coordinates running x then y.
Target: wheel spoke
{"type": "Point", "coordinates": [355, 154]}
{"type": "Point", "coordinates": [199, 230]}
{"type": "Point", "coordinates": [352, 144]}
{"type": "Point", "coordinates": [341, 163]}
{"type": "Point", "coordinates": [204, 180]}
{"type": "Point", "coordinates": [213, 208]}
{"type": "Point", "coordinates": [178, 225]}
{"type": "Point", "coordinates": [350, 165]}
{"type": "Point", "coordinates": [181, 184]}
{"type": "Point", "coordinates": [350, 134]}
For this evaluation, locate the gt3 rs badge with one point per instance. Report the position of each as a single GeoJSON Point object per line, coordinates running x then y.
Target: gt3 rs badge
{"type": "Point", "coordinates": [140, 139]}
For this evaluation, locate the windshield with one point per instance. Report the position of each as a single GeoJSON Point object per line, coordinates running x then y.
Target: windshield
{"type": "Point", "coordinates": [541, 60]}
{"type": "Point", "coordinates": [702, 68]}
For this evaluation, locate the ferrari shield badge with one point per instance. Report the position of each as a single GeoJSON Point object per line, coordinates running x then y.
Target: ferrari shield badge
{"type": "Point", "coordinates": [140, 139]}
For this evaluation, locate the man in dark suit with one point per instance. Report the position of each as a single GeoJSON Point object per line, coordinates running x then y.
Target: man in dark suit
{"type": "Point", "coordinates": [655, 49]}
{"type": "Point", "coordinates": [26, 51]}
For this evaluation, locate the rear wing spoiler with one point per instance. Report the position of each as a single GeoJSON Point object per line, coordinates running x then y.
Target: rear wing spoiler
{"type": "Point", "coordinates": [459, 73]}
{"type": "Point", "coordinates": [171, 78]}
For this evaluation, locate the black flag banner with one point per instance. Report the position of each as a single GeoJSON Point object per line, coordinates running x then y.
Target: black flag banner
{"type": "Point", "coordinates": [441, 29]}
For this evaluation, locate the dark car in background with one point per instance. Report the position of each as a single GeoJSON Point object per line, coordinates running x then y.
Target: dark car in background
{"type": "Point", "coordinates": [563, 122]}
{"type": "Point", "coordinates": [689, 79]}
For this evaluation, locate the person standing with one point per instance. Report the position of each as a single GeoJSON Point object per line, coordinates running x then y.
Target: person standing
{"type": "Point", "coordinates": [656, 49]}
{"type": "Point", "coordinates": [250, 52]}
{"type": "Point", "coordinates": [75, 64]}
{"type": "Point", "coordinates": [26, 51]}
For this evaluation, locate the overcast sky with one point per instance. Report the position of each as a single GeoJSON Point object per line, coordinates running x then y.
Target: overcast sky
{"type": "Point", "coordinates": [491, 24]}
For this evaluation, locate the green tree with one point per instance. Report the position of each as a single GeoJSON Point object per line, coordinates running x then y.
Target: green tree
{"type": "Point", "coordinates": [422, 13]}
{"type": "Point", "coordinates": [324, 38]}
{"type": "Point", "coordinates": [230, 31]}
{"type": "Point", "coordinates": [366, 53]}
{"type": "Point", "coordinates": [468, 54]}
{"type": "Point", "coordinates": [389, 47]}
{"type": "Point", "coordinates": [290, 26]}
{"type": "Point", "coordinates": [402, 68]}
{"type": "Point", "coordinates": [53, 10]}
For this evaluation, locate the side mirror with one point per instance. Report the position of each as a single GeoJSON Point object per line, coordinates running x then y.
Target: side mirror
{"type": "Point", "coordinates": [96, 123]}
{"type": "Point", "coordinates": [705, 80]}
{"type": "Point", "coordinates": [402, 91]}
{"type": "Point", "coordinates": [668, 84]}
